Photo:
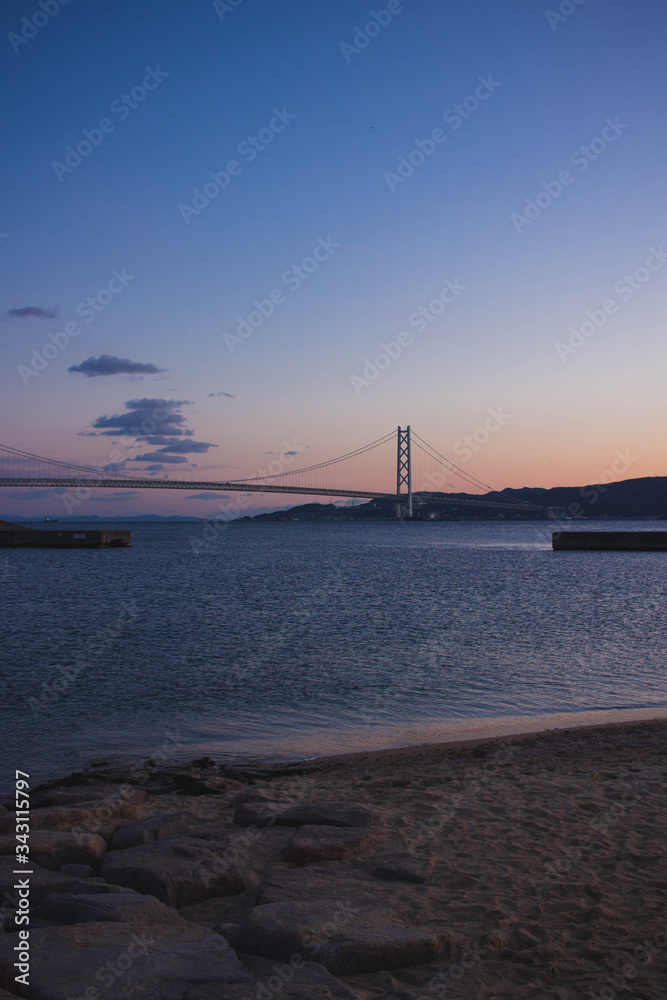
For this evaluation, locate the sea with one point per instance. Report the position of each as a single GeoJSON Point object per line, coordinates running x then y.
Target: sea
{"type": "Point", "coordinates": [259, 642]}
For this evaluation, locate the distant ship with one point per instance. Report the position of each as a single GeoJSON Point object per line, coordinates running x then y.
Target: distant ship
{"type": "Point", "coordinates": [53, 520]}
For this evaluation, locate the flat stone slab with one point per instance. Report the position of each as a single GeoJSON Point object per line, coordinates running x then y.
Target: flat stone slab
{"type": "Point", "coordinates": [68, 795]}
{"type": "Point", "coordinates": [98, 817]}
{"type": "Point", "coordinates": [143, 831]}
{"type": "Point", "coordinates": [329, 843]}
{"type": "Point", "coordinates": [326, 814]}
{"type": "Point", "coordinates": [95, 885]}
{"type": "Point", "coordinates": [297, 980]}
{"type": "Point", "coordinates": [81, 871]}
{"type": "Point", "coordinates": [53, 849]}
{"type": "Point", "coordinates": [42, 882]}
{"type": "Point", "coordinates": [124, 961]}
{"type": "Point", "coordinates": [345, 938]}
{"type": "Point", "coordinates": [314, 884]}
{"type": "Point", "coordinates": [399, 871]}
{"type": "Point", "coordinates": [196, 780]}
{"type": "Point", "coordinates": [180, 871]}
{"type": "Point", "coordinates": [126, 907]}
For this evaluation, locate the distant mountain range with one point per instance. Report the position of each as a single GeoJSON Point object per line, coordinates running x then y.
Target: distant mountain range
{"type": "Point", "coordinates": [631, 498]}
{"type": "Point", "coordinates": [96, 517]}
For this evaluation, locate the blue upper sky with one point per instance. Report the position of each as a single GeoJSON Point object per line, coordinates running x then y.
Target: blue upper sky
{"type": "Point", "coordinates": [326, 111]}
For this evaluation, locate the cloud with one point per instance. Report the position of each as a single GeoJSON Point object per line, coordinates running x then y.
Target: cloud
{"type": "Point", "coordinates": [229, 395]}
{"type": "Point", "coordinates": [146, 417]}
{"type": "Point", "coordinates": [26, 311]}
{"type": "Point", "coordinates": [155, 422]}
{"type": "Point", "coordinates": [159, 456]}
{"type": "Point", "coordinates": [179, 447]}
{"type": "Point", "coordinates": [154, 468]}
{"type": "Point", "coordinates": [160, 438]}
{"type": "Point", "coordinates": [107, 364]}
{"type": "Point", "coordinates": [120, 495]}
{"type": "Point", "coordinates": [31, 493]}
{"type": "Point", "coordinates": [207, 496]}
{"type": "Point", "coordinates": [175, 446]}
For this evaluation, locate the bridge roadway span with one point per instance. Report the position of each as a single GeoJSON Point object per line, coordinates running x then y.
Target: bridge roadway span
{"type": "Point", "coordinates": [186, 484]}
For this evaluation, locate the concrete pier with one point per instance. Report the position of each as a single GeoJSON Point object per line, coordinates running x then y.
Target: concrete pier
{"type": "Point", "coordinates": [610, 541]}
{"type": "Point", "coordinates": [20, 536]}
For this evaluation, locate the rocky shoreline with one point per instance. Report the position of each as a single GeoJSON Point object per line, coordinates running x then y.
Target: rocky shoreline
{"type": "Point", "coordinates": [528, 867]}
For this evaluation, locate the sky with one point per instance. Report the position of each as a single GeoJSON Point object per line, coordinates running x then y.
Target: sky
{"type": "Point", "coordinates": [216, 216]}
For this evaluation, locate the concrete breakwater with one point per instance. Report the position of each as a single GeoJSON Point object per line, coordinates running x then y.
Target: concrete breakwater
{"type": "Point", "coordinates": [616, 541]}
{"type": "Point", "coordinates": [17, 535]}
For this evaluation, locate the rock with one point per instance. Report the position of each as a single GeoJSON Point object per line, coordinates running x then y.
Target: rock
{"type": "Point", "coordinates": [297, 981]}
{"type": "Point", "coordinates": [95, 886]}
{"type": "Point", "coordinates": [260, 814]}
{"type": "Point", "coordinates": [74, 794]}
{"type": "Point", "coordinates": [228, 931]}
{"type": "Point", "coordinates": [159, 784]}
{"type": "Point", "coordinates": [344, 938]}
{"type": "Point", "coordinates": [137, 774]}
{"type": "Point", "coordinates": [215, 785]}
{"type": "Point", "coordinates": [143, 831]}
{"type": "Point", "coordinates": [326, 814]}
{"type": "Point", "coordinates": [328, 843]}
{"type": "Point", "coordinates": [399, 871]}
{"type": "Point", "coordinates": [123, 961]}
{"type": "Point", "coordinates": [253, 795]}
{"type": "Point", "coordinates": [99, 815]}
{"type": "Point", "coordinates": [120, 907]}
{"type": "Point", "coordinates": [81, 871]}
{"type": "Point", "coordinates": [206, 762]}
{"type": "Point", "coordinates": [314, 884]}
{"type": "Point", "coordinates": [198, 780]}
{"type": "Point", "coordinates": [42, 882]}
{"type": "Point", "coordinates": [180, 871]}
{"type": "Point", "coordinates": [53, 849]}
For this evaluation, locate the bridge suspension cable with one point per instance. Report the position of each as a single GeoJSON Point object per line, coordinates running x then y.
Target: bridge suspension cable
{"type": "Point", "coordinates": [431, 452]}
{"type": "Point", "coordinates": [100, 471]}
{"type": "Point", "coordinates": [323, 465]}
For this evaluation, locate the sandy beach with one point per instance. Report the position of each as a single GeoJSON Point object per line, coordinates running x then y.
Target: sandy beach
{"type": "Point", "coordinates": [528, 867]}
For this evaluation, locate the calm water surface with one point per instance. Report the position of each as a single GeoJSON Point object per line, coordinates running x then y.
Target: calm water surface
{"type": "Point", "coordinates": [289, 640]}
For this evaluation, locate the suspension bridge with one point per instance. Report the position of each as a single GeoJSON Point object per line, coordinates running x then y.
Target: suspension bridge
{"type": "Point", "coordinates": [399, 467]}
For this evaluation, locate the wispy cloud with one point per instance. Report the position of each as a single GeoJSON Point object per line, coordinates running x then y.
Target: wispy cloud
{"type": "Point", "coordinates": [118, 495]}
{"type": "Point", "coordinates": [152, 456]}
{"type": "Point", "coordinates": [25, 312]}
{"type": "Point", "coordinates": [108, 364]}
{"type": "Point", "coordinates": [229, 395]}
{"type": "Point", "coordinates": [207, 496]}
{"type": "Point", "coordinates": [179, 447]}
{"type": "Point", "coordinates": [32, 493]}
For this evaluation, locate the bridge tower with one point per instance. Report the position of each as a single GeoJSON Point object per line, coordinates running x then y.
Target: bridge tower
{"type": "Point", "coordinates": [404, 470]}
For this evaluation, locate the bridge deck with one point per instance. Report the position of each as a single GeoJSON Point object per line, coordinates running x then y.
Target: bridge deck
{"type": "Point", "coordinates": [218, 487]}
